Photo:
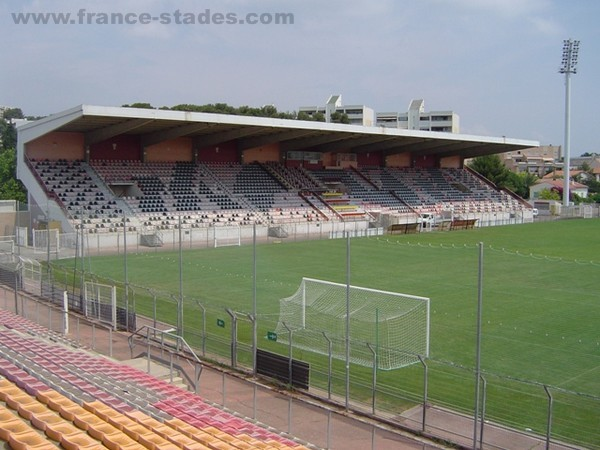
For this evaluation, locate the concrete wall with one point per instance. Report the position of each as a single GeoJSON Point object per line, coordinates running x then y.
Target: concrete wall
{"type": "Point", "coordinates": [179, 149]}
{"type": "Point", "coordinates": [264, 153]}
{"type": "Point", "coordinates": [56, 145]}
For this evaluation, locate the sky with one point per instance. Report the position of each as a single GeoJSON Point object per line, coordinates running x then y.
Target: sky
{"type": "Point", "coordinates": [493, 62]}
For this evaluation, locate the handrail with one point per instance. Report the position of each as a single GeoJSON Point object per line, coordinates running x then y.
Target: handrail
{"type": "Point", "coordinates": [198, 366]}
{"type": "Point", "coordinates": [162, 333]}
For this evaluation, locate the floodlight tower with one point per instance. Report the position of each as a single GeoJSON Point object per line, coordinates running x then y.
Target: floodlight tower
{"type": "Point", "coordinates": [568, 67]}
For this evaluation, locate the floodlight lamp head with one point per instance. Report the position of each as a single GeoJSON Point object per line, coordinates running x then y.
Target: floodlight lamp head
{"type": "Point", "coordinates": [569, 57]}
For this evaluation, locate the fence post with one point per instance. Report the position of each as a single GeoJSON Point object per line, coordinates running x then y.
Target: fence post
{"type": "Point", "coordinates": [77, 328]}
{"type": "Point", "coordinates": [254, 401]}
{"type": "Point", "coordinates": [223, 389]}
{"type": "Point", "coordinates": [329, 365]}
{"type": "Point", "coordinates": [254, 342]}
{"type": "Point", "coordinates": [289, 354]}
{"type": "Point", "coordinates": [290, 415]}
{"type": "Point", "coordinates": [233, 338]}
{"type": "Point", "coordinates": [16, 291]}
{"type": "Point", "coordinates": [154, 309]}
{"type": "Point", "coordinates": [549, 424]}
{"type": "Point", "coordinates": [203, 329]}
{"type": "Point", "coordinates": [478, 342]}
{"type": "Point", "coordinates": [110, 344]}
{"type": "Point", "coordinates": [374, 381]}
{"type": "Point", "coordinates": [483, 404]}
{"type": "Point", "coordinates": [328, 428]}
{"type": "Point", "coordinates": [425, 388]}
{"type": "Point", "coordinates": [148, 348]}
{"type": "Point", "coordinates": [373, 436]}
{"type": "Point", "coordinates": [197, 372]}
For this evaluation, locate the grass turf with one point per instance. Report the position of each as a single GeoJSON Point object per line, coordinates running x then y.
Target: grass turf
{"type": "Point", "coordinates": [541, 305]}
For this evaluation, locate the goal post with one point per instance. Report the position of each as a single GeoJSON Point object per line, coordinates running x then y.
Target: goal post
{"type": "Point", "coordinates": [7, 249]}
{"type": "Point", "coordinates": [100, 302]}
{"type": "Point", "coordinates": [225, 236]}
{"type": "Point", "coordinates": [46, 241]}
{"type": "Point", "coordinates": [396, 325]}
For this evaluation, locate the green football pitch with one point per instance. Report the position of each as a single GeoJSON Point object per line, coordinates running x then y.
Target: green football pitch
{"type": "Point", "coordinates": [540, 315]}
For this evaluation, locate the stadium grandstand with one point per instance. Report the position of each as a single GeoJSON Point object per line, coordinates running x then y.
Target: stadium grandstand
{"type": "Point", "coordinates": [108, 168]}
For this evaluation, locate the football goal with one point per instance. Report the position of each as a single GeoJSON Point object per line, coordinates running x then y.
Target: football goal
{"type": "Point", "coordinates": [392, 325]}
{"type": "Point", "coordinates": [46, 241]}
{"type": "Point", "coordinates": [227, 236]}
{"type": "Point", "coordinates": [100, 302]}
{"type": "Point", "coordinates": [7, 250]}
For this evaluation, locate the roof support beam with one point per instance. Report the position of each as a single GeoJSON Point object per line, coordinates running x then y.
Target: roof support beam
{"type": "Point", "coordinates": [224, 136]}
{"type": "Point", "coordinates": [349, 143]}
{"type": "Point", "coordinates": [271, 138]}
{"type": "Point", "coordinates": [445, 149]}
{"type": "Point", "coordinates": [172, 133]}
{"type": "Point", "coordinates": [309, 143]}
{"type": "Point", "coordinates": [102, 134]}
{"type": "Point", "coordinates": [376, 145]}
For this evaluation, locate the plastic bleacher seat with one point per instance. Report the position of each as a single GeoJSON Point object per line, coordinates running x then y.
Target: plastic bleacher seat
{"type": "Point", "coordinates": [12, 427]}
{"type": "Point", "coordinates": [31, 440]}
{"type": "Point", "coordinates": [79, 441]}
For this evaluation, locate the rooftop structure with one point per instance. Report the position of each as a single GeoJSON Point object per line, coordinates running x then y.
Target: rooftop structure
{"type": "Point", "coordinates": [416, 118]}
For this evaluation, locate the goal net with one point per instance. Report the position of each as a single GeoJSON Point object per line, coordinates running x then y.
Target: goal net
{"type": "Point", "coordinates": [46, 241]}
{"type": "Point", "coordinates": [7, 250]}
{"type": "Point", "coordinates": [31, 276]}
{"type": "Point", "coordinates": [227, 236]}
{"type": "Point", "coordinates": [100, 302]}
{"type": "Point", "coordinates": [395, 326]}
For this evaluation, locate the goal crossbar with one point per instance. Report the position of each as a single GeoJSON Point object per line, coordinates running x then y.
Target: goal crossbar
{"type": "Point", "coordinates": [396, 325]}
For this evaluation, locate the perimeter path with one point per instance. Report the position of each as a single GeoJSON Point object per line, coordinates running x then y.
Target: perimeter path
{"type": "Point", "coordinates": [327, 424]}
{"type": "Point", "coordinates": [302, 416]}
{"type": "Point", "coordinates": [296, 416]}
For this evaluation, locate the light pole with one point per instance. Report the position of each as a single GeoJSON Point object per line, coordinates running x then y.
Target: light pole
{"type": "Point", "coordinates": [568, 67]}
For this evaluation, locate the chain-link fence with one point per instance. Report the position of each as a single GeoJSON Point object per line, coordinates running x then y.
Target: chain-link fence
{"type": "Point", "coordinates": [538, 344]}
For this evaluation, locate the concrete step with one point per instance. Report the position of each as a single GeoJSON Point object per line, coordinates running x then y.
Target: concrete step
{"type": "Point", "coordinates": [157, 370]}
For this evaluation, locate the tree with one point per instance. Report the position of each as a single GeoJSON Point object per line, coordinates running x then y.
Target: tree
{"type": "Point", "coordinates": [12, 113]}
{"type": "Point", "coordinates": [520, 183]}
{"type": "Point", "coordinates": [549, 194]}
{"type": "Point", "coordinates": [8, 136]}
{"type": "Point", "coordinates": [337, 117]}
{"type": "Point", "coordinates": [10, 187]}
{"type": "Point", "coordinates": [491, 167]}
{"type": "Point", "coordinates": [139, 105]}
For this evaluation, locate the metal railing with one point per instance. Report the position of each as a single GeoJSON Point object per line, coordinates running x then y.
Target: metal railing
{"type": "Point", "coordinates": [181, 348]}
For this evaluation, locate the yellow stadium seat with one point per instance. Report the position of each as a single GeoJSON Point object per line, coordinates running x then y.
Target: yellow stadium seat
{"type": "Point", "coordinates": [56, 430]}
{"type": "Point", "coordinates": [102, 410]}
{"type": "Point", "coordinates": [120, 421]}
{"type": "Point", "coordinates": [45, 396]}
{"type": "Point", "coordinates": [79, 442]}
{"type": "Point", "coordinates": [99, 430]}
{"type": "Point", "coordinates": [117, 440]}
{"type": "Point", "coordinates": [41, 420]}
{"type": "Point", "coordinates": [13, 426]}
{"type": "Point", "coordinates": [27, 410]}
{"type": "Point", "coordinates": [149, 422]}
{"type": "Point", "coordinates": [153, 441]}
{"type": "Point", "coordinates": [31, 440]}
{"type": "Point", "coordinates": [18, 398]}
{"type": "Point", "coordinates": [8, 389]}
{"type": "Point", "coordinates": [71, 412]}
{"type": "Point", "coordinates": [6, 414]}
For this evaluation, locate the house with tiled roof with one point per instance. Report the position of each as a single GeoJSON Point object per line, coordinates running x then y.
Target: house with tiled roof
{"type": "Point", "coordinates": [557, 185]}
